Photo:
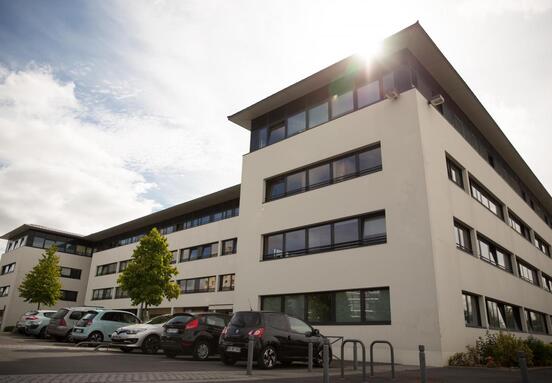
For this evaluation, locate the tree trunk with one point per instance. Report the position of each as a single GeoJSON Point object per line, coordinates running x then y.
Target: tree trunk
{"type": "Point", "coordinates": [38, 306]}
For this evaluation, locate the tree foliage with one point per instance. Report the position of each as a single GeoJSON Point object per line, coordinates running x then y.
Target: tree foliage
{"type": "Point", "coordinates": [42, 284]}
{"type": "Point", "coordinates": [149, 276]}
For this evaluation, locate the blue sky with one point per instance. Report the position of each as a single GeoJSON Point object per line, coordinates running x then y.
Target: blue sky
{"type": "Point", "coordinates": [110, 110]}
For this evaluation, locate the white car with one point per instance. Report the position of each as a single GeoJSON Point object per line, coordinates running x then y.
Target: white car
{"type": "Point", "coordinates": [145, 336]}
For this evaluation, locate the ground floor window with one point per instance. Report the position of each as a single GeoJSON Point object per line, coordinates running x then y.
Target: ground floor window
{"type": "Point", "coordinates": [471, 310]}
{"type": "Point", "coordinates": [503, 316]}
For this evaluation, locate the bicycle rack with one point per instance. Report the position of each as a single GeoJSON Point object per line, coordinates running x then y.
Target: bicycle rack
{"type": "Point", "coordinates": [355, 342]}
{"type": "Point", "coordinates": [372, 356]}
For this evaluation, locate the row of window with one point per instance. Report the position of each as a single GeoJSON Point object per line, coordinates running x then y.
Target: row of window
{"type": "Point", "coordinates": [4, 291]}
{"type": "Point", "coordinates": [63, 246]}
{"type": "Point", "coordinates": [207, 284]}
{"type": "Point", "coordinates": [364, 161]}
{"type": "Point", "coordinates": [9, 268]}
{"type": "Point", "coordinates": [69, 272]}
{"type": "Point", "coordinates": [502, 316]}
{"type": "Point", "coordinates": [363, 306]}
{"type": "Point", "coordinates": [205, 251]}
{"type": "Point", "coordinates": [111, 268]}
{"type": "Point", "coordinates": [489, 201]}
{"type": "Point", "coordinates": [16, 243]}
{"type": "Point", "coordinates": [351, 232]}
{"type": "Point", "coordinates": [497, 256]}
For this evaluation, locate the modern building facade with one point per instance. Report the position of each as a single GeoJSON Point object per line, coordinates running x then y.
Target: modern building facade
{"type": "Point", "coordinates": [379, 200]}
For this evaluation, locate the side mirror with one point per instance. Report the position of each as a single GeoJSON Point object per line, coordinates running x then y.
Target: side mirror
{"type": "Point", "coordinates": [315, 332]}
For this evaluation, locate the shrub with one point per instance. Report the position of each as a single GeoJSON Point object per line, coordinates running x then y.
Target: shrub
{"type": "Point", "coordinates": [9, 328]}
{"type": "Point", "coordinates": [542, 352]}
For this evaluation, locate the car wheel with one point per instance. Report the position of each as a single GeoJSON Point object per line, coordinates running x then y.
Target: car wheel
{"type": "Point", "coordinates": [319, 357]}
{"type": "Point", "coordinates": [227, 361]}
{"type": "Point", "coordinates": [151, 344]}
{"type": "Point", "coordinates": [125, 349]}
{"type": "Point", "coordinates": [96, 337]}
{"type": "Point", "coordinates": [201, 350]}
{"type": "Point", "coordinates": [42, 333]}
{"type": "Point", "coordinates": [170, 355]}
{"type": "Point", "coordinates": [267, 358]}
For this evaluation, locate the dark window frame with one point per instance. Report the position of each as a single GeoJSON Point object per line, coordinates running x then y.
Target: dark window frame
{"type": "Point", "coordinates": [524, 229]}
{"type": "Point", "coordinates": [521, 263]}
{"type": "Point", "coordinates": [232, 286]}
{"type": "Point", "coordinates": [493, 247]}
{"type": "Point", "coordinates": [234, 246]}
{"type": "Point", "coordinates": [459, 225]}
{"type": "Point", "coordinates": [453, 165]}
{"type": "Point", "coordinates": [102, 294]}
{"type": "Point", "coordinates": [484, 192]}
{"type": "Point", "coordinates": [477, 309]}
{"type": "Point", "coordinates": [105, 269]}
{"type": "Point", "coordinates": [530, 324]}
{"type": "Point", "coordinates": [73, 273]}
{"type": "Point", "coordinates": [68, 295]}
{"type": "Point", "coordinates": [516, 310]}
{"type": "Point", "coordinates": [200, 252]}
{"type": "Point", "coordinates": [542, 245]}
{"type": "Point", "coordinates": [8, 268]}
{"type": "Point", "coordinates": [196, 289]}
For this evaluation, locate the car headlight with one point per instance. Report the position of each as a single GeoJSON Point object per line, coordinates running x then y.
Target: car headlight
{"type": "Point", "coordinates": [136, 331]}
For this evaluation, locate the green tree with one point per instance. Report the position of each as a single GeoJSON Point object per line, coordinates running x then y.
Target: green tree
{"type": "Point", "coordinates": [148, 277]}
{"type": "Point", "coordinates": [42, 284]}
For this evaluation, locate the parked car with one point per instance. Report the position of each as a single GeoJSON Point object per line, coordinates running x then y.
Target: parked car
{"type": "Point", "coordinates": [20, 324]}
{"type": "Point", "coordinates": [62, 322]}
{"type": "Point", "coordinates": [97, 325]}
{"type": "Point", "coordinates": [36, 324]}
{"type": "Point", "coordinates": [144, 336]}
{"type": "Point", "coordinates": [193, 334]}
{"type": "Point", "coordinates": [278, 338]}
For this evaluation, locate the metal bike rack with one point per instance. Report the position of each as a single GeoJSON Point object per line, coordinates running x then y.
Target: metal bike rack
{"type": "Point", "coordinates": [372, 356]}
{"type": "Point", "coordinates": [355, 342]}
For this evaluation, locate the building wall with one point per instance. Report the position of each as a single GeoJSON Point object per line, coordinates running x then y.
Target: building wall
{"type": "Point", "coordinates": [26, 258]}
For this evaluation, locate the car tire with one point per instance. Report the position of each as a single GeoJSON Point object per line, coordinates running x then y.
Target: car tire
{"type": "Point", "coordinates": [202, 350]}
{"type": "Point", "coordinates": [227, 360]}
{"type": "Point", "coordinates": [96, 337]}
{"type": "Point", "coordinates": [170, 355]}
{"type": "Point", "coordinates": [151, 344]}
{"type": "Point", "coordinates": [267, 358]}
{"type": "Point", "coordinates": [126, 350]}
{"type": "Point", "coordinates": [319, 358]}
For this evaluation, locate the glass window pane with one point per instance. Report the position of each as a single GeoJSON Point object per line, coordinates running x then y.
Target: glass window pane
{"type": "Point", "coordinates": [368, 94]}
{"type": "Point", "coordinates": [377, 306]}
{"type": "Point", "coordinates": [319, 176]}
{"type": "Point", "coordinates": [299, 326]}
{"type": "Point", "coordinates": [274, 246]}
{"type": "Point", "coordinates": [346, 231]}
{"type": "Point", "coordinates": [388, 83]}
{"type": "Point", "coordinates": [295, 242]}
{"type": "Point", "coordinates": [296, 182]}
{"type": "Point", "coordinates": [294, 305]}
{"type": "Point", "coordinates": [184, 255]}
{"type": "Point", "coordinates": [272, 304]}
{"type": "Point", "coordinates": [347, 307]}
{"type": "Point", "coordinates": [38, 242]}
{"type": "Point", "coordinates": [374, 228]}
{"type": "Point", "coordinates": [369, 160]}
{"type": "Point", "coordinates": [259, 138]}
{"type": "Point", "coordinates": [320, 237]}
{"type": "Point", "coordinates": [194, 253]}
{"type": "Point", "coordinates": [319, 307]}
{"type": "Point", "coordinates": [344, 167]}
{"type": "Point", "coordinates": [206, 251]}
{"type": "Point", "coordinates": [318, 115]}
{"type": "Point", "coordinates": [296, 124]}
{"type": "Point", "coordinates": [276, 188]}
{"type": "Point", "coordinates": [342, 103]}
{"type": "Point", "coordinates": [277, 133]}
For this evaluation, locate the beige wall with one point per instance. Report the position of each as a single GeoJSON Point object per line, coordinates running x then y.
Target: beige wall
{"type": "Point", "coordinates": [26, 258]}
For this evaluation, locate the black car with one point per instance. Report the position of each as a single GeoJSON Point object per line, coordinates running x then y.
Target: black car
{"type": "Point", "coordinates": [193, 334]}
{"type": "Point", "coordinates": [278, 338]}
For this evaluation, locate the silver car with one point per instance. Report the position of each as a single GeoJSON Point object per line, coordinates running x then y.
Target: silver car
{"type": "Point", "coordinates": [144, 336]}
{"type": "Point", "coordinates": [20, 325]}
{"type": "Point", "coordinates": [36, 324]}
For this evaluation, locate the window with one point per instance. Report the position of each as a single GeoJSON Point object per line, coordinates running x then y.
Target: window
{"type": "Point", "coordinates": [486, 199]}
{"type": "Point", "coordinates": [496, 256]}
{"type": "Point", "coordinates": [229, 246]}
{"type": "Point", "coordinates": [518, 225]}
{"type": "Point", "coordinates": [120, 293]}
{"type": "Point", "coordinates": [471, 310]}
{"type": "Point", "coordinates": [318, 115]}
{"type": "Point", "coordinates": [342, 103]}
{"type": "Point", "coordinates": [68, 296]}
{"type": "Point", "coordinates": [215, 320]}
{"type": "Point", "coordinates": [174, 258]}
{"type": "Point", "coordinates": [276, 133]}
{"type": "Point", "coordinates": [503, 316]}
{"type": "Point", "coordinates": [110, 268]}
{"type": "Point", "coordinates": [9, 268]}
{"type": "Point", "coordinates": [463, 237]}
{"type": "Point", "coordinates": [527, 272]}
{"type": "Point", "coordinates": [276, 320]}
{"type": "Point", "coordinates": [542, 245]}
{"type": "Point", "coordinates": [199, 252]}
{"type": "Point", "coordinates": [546, 282]}
{"type": "Point", "coordinates": [259, 138]}
{"type": "Point", "coordinates": [198, 285]}
{"type": "Point", "coordinates": [68, 272]}
{"type": "Point", "coordinates": [227, 282]}
{"type": "Point", "coordinates": [38, 242]}
{"type": "Point", "coordinates": [99, 294]}
{"type": "Point", "coordinates": [298, 326]}
{"type": "Point", "coordinates": [296, 124]}
{"type": "Point", "coordinates": [352, 165]}
{"type": "Point", "coordinates": [368, 94]}
{"type": "Point", "coordinates": [123, 265]}
{"type": "Point", "coordinates": [365, 306]}
{"type": "Point", "coordinates": [326, 237]}
{"type": "Point", "coordinates": [455, 173]}
{"type": "Point", "coordinates": [536, 322]}
{"type": "Point", "coordinates": [4, 291]}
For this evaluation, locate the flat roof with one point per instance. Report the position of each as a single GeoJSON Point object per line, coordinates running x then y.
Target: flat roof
{"type": "Point", "coordinates": [415, 39]}
{"type": "Point", "coordinates": [28, 226]}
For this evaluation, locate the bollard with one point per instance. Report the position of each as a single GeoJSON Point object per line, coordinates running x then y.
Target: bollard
{"type": "Point", "coordinates": [355, 357]}
{"type": "Point", "coordinates": [250, 347]}
{"type": "Point", "coordinates": [326, 360]}
{"type": "Point", "coordinates": [310, 355]}
{"type": "Point", "coordinates": [423, 376]}
{"type": "Point", "coordinates": [523, 367]}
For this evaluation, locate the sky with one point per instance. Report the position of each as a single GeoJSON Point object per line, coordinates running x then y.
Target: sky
{"type": "Point", "coordinates": [110, 110]}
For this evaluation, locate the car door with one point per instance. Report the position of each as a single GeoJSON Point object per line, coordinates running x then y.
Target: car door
{"type": "Point", "coordinates": [110, 321]}
{"type": "Point", "coordinates": [299, 337]}
{"type": "Point", "coordinates": [278, 328]}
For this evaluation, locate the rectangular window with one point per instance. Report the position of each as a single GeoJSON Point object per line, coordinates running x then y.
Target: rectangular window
{"type": "Point", "coordinates": [369, 160]}
{"type": "Point", "coordinates": [296, 183]}
{"type": "Point", "coordinates": [527, 272]}
{"type": "Point", "coordinates": [344, 168]}
{"type": "Point", "coordinates": [471, 310]}
{"type": "Point", "coordinates": [229, 246]}
{"type": "Point", "coordinates": [365, 306]}
{"type": "Point", "coordinates": [318, 115]}
{"type": "Point", "coordinates": [342, 102]}
{"type": "Point", "coordinates": [536, 322]}
{"type": "Point", "coordinates": [227, 282]}
{"type": "Point", "coordinates": [275, 188]}
{"type": "Point", "coordinates": [68, 272]}
{"type": "Point", "coordinates": [542, 245]}
{"type": "Point", "coordinates": [259, 138]}
{"type": "Point", "coordinates": [486, 199]}
{"type": "Point", "coordinates": [208, 250]}
{"type": "Point", "coordinates": [503, 316]}
{"type": "Point", "coordinates": [4, 291]}
{"type": "Point", "coordinates": [296, 124]}
{"type": "Point", "coordinates": [493, 254]}
{"type": "Point", "coordinates": [319, 176]}
{"type": "Point", "coordinates": [518, 225]}
{"type": "Point", "coordinates": [368, 94]}
{"type": "Point", "coordinates": [110, 268]}
{"type": "Point", "coordinates": [99, 294]}
{"type": "Point", "coordinates": [455, 173]}
{"type": "Point", "coordinates": [198, 285]}
{"type": "Point", "coordinates": [38, 242]}
{"type": "Point", "coordinates": [546, 282]}
{"type": "Point", "coordinates": [68, 296]}
{"type": "Point", "coordinates": [276, 133]}
{"type": "Point", "coordinates": [462, 235]}
{"type": "Point", "coordinates": [9, 268]}
{"type": "Point", "coordinates": [123, 265]}
{"type": "Point", "coordinates": [120, 293]}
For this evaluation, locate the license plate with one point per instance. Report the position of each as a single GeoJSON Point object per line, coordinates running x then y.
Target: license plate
{"type": "Point", "coordinates": [233, 349]}
{"type": "Point", "coordinates": [172, 331]}
{"type": "Point", "coordinates": [78, 330]}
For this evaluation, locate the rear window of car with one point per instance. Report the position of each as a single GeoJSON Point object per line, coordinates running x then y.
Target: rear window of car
{"type": "Point", "coordinates": [245, 319]}
{"type": "Point", "coordinates": [159, 320]}
{"type": "Point", "coordinates": [90, 315]}
{"type": "Point", "coordinates": [76, 315]}
{"type": "Point", "coordinates": [32, 312]}
{"type": "Point", "coordinates": [49, 315]}
{"type": "Point", "coordinates": [180, 319]}
{"type": "Point", "coordinates": [60, 314]}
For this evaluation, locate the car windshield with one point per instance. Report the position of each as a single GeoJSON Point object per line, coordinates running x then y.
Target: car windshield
{"type": "Point", "coordinates": [90, 315]}
{"type": "Point", "coordinates": [245, 319]}
{"type": "Point", "coordinates": [49, 315]}
{"type": "Point", "coordinates": [159, 320]}
{"type": "Point", "coordinates": [180, 319]}
{"type": "Point", "coordinates": [60, 314]}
